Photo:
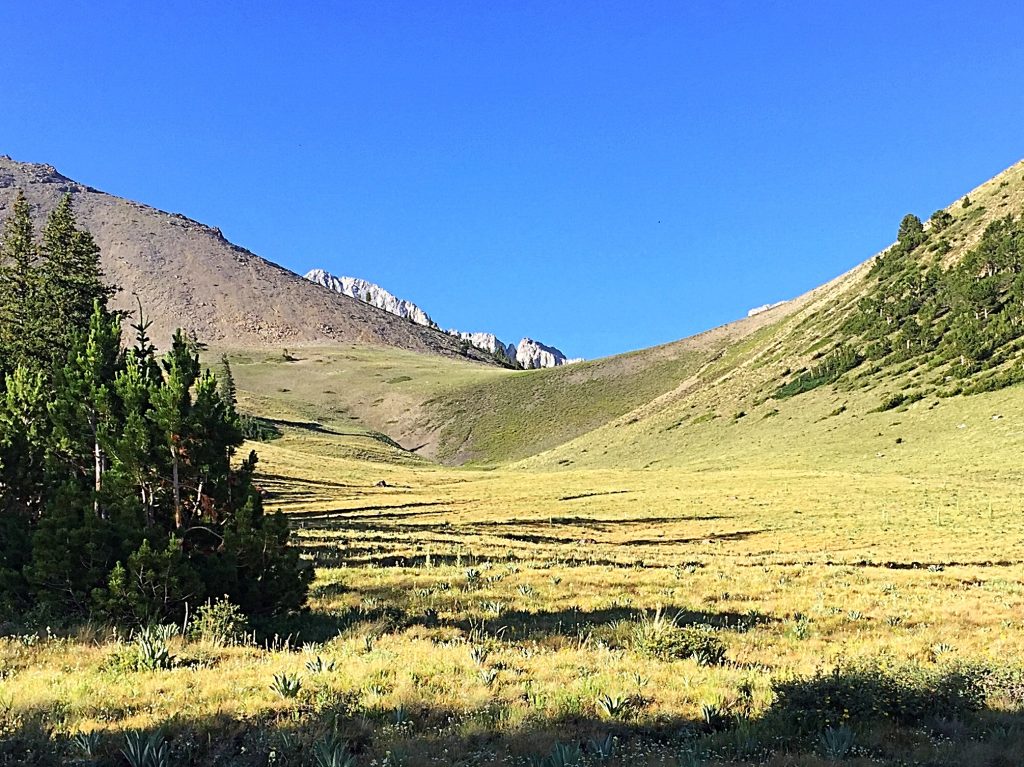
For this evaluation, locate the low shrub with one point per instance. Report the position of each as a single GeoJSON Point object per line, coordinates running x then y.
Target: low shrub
{"type": "Point", "coordinates": [220, 622]}
{"type": "Point", "coordinates": [660, 636]}
{"type": "Point", "coordinates": [872, 692]}
{"type": "Point", "coordinates": [258, 429]}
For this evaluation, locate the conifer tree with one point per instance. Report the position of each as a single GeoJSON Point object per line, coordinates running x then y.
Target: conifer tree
{"type": "Point", "coordinates": [228, 390]}
{"type": "Point", "coordinates": [71, 280]}
{"type": "Point", "coordinates": [117, 487]}
{"type": "Point", "coordinates": [171, 405]}
{"type": "Point", "coordinates": [19, 313]}
{"type": "Point", "coordinates": [84, 411]}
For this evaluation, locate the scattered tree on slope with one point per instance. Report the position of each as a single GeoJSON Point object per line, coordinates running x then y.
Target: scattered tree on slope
{"type": "Point", "coordinates": [966, 318]}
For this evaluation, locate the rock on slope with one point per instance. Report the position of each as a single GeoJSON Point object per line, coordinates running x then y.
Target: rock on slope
{"type": "Point", "coordinates": [529, 354]}
{"type": "Point", "coordinates": [188, 275]}
{"type": "Point", "coordinates": [489, 343]}
{"type": "Point", "coordinates": [372, 294]}
{"type": "Point", "coordinates": [534, 354]}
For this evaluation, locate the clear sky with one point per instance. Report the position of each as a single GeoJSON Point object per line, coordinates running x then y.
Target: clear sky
{"type": "Point", "coordinates": [601, 176]}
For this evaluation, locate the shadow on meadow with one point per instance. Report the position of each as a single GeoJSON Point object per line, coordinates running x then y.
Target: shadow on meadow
{"type": "Point", "coordinates": [381, 611]}
{"type": "Point", "coordinates": [367, 540]}
{"type": "Point", "coordinates": [869, 714]}
{"type": "Point", "coordinates": [605, 623]}
{"type": "Point", "coordinates": [375, 548]}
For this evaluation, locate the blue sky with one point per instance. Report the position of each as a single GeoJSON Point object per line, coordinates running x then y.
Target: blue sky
{"type": "Point", "coordinates": [601, 176]}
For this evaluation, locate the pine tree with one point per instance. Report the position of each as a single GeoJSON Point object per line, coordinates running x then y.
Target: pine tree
{"type": "Point", "coordinates": [24, 436]}
{"type": "Point", "coordinates": [911, 232]}
{"type": "Point", "coordinates": [84, 411]}
{"type": "Point", "coordinates": [117, 489]}
{"type": "Point", "coordinates": [172, 402]}
{"type": "Point", "coordinates": [71, 280]}
{"type": "Point", "coordinates": [19, 314]}
{"type": "Point", "coordinates": [228, 391]}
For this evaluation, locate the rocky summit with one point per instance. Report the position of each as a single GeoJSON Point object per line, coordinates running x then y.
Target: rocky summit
{"type": "Point", "coordinates": [528, 354]}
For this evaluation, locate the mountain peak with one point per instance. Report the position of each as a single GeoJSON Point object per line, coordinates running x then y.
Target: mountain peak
{"type": "Point", "coordinates": [528, 354]}
{"type": "Point", "coordinates": [188, 275]}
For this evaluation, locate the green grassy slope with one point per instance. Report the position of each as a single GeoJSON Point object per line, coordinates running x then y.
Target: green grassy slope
{"type": "Point", "coordinates": [733, 415]}
{"type": "Point", "coordinates": [356, 387]}
{"type": "Point", "coordinates": [709, 400]}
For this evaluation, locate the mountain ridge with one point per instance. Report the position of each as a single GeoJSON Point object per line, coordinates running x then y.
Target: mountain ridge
{"type": "Point", "coordinates": [528, 354]}
{"type": "Point", "coordinates": [187, 274]}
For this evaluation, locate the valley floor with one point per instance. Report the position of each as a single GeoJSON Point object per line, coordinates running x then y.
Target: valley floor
{"type": "Point", "coordinates": [465, 616]}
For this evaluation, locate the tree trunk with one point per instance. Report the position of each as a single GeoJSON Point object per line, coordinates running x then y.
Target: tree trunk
{"type": "Point", "coordinates": [179, 523]}
{"type": "Point", "coordinates": [97, 459]}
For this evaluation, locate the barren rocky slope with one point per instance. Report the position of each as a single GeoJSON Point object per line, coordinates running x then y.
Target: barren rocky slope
{"type": "Point", "coordinates": [188, 275]}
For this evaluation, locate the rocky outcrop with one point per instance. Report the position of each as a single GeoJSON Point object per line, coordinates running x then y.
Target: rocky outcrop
{"type": "Point", "coordinates": [488, 342]}
{"type": "Point", "coordinates": [758, 309]}
{"type": "Point", "coordinates": [532, 354]}
{"type": "Point", "coordinates": [372, 294]}
{"type": "Point", "coordinates": [528, 354]}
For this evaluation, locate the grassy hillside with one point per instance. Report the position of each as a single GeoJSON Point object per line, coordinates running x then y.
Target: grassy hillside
{"type": "Point", "coordinates": [890, 413]}
{"type": "Point", "coordinates": [457, 411]}
{"type": "Point", "coordinates": [355, 387]}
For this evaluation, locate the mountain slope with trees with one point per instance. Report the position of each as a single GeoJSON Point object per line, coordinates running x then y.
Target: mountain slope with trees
{"type": "Point", "coordinates": [912, 359]}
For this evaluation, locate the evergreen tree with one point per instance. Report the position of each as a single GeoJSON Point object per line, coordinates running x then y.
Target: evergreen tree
{"type": "Point", "coordinates": [117, 487]}
{"type": "Point", "coordinates": [71, 280]}
{"type": "Point", "coordinates": [228, 391]}
{"type": "Point", "coordinates": [23, 434]}
{"type": "Point", "coordinates": [19, 312]}
{"type": "Point", "coordinates": [940, 220]}
{"type": "Point", "coordinates": [84, 412]}
{"type": "Point", "coordinates": [172, 403]}
{"type": "Point", "coordinates": [911, 232]}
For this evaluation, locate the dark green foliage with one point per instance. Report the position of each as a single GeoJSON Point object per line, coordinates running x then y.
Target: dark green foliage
{"type": "Point", "coordinates": [940, 220]}
{"type": "Point", "coordinates": [118, 489]}
{"type": "Point", "coordinates": [968, 317]}
{"type": "Point", "coordinates": [872, 692]}
{"type": "Point", "coordinates": [70, 282]}
{"type": "Point", "coordinates": [19, 289]}
{"type": "Point", "coordinates": [893, 401]}
{"type": "Point", "coordinates": [151, 585]}
{"type": "Point", "coordinates": [832, 366]}
{"type": "Point", "coordinates": [911, 232]}
{"type": "Point", "coordinates": [257, 429]}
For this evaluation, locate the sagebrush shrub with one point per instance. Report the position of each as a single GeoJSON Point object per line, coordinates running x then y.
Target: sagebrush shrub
{"type": "Point", "coordinates": [220, 622]}
{"type": "Point", "coordinates": [873, 692]}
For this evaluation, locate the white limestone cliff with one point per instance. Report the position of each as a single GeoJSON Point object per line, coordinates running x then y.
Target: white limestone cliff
{"type": "Point", "coordinates": [528, 354]}
{"type": "Point", "coordinates": [372, 294]}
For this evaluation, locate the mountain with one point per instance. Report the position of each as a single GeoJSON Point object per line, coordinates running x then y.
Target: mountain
{"type": "Point", "coordinates": [528, 354]}
{"type": "Point", "coordinates": [532, 354]}
{"type": "Point", "coordinates": [489, 343]}
{"type": "Point", "coordinates": [186, 274]}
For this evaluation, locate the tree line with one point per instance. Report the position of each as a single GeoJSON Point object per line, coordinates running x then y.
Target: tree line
{"type": "Point", "coordinates": [121, 495]}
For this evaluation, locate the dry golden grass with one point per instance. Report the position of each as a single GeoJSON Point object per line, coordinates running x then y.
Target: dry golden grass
{"type": "Point", "coordinates": [485, 614]}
